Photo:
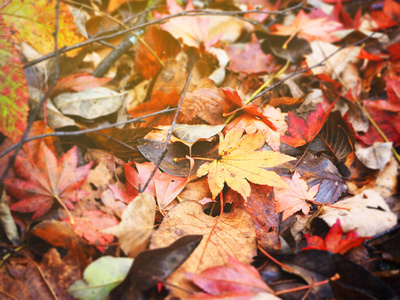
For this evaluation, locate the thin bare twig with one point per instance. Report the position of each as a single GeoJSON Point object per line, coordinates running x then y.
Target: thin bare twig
{"type": "Point", "coordinates": [164, 150]}
{"type": "Point", "coordinates": [42, 99]}
{"type": "Point", "coordinates": [190, 13]}
{"type": "Point", "coordinates": [80, 132]}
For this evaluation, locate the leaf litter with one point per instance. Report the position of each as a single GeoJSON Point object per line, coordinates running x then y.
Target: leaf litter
{"type": "Point", "coordinates": [279, 136]}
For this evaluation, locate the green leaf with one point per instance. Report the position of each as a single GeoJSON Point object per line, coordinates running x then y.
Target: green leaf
{"type": "Point", "coordinates": [100, 277]}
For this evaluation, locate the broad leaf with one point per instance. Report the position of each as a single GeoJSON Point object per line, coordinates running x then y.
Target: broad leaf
{"type": "Point", "coordinates": [45, 180]}
{"type": "Point", "coordinates": [239, 161]}
{"type": "Point", "coordinates": [303, 131]}
{"type": "Point", "coordinates": [291, 200]}
{"type": "Point", "coordinates": [234, 234]}
{"type": "Point", "coordinates": [34, 20]}
{"type": "Point", "coordinates": [100, 277]}
{"type": "Point", "coordinates": [236, 279]}
{"type": "Point", "coordinates": [309, 28]}
{"type": "Point", "coordinates": [14, 91]}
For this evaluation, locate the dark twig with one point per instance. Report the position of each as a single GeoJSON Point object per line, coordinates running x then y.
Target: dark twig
{"type": "Point", "coordinates": [80, 132]}
{"type": "Point", "coordinates": [190, 13]}
{"type": "Point", "coordinates": [313, 66]}
{"type": "Point", "coordinates": [164, 150]}
{"type": "Point", "coordinates": [42, 100]}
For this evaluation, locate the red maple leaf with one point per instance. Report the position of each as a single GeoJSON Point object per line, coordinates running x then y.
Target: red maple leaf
{"type": "Point", "coordinates": [44, 179]}
{"type": "Point", "coordinates": [164, 186]}
{"type": "Point", "coordinates": [90, 227]}
{"type": "Point", "coordinates": [303, 131]}
{"type": "Point", "coordinates": [335, 240]}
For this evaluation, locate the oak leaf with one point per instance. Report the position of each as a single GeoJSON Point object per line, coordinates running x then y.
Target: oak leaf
{"type": "Point", "coordinates": [335, 241]}
{"type": "Point", "coordinates": [295, 198]}
{"type": "Point", "coordinates": [239, 161]}
{"type": "Point", "coordinates": [45, 179]}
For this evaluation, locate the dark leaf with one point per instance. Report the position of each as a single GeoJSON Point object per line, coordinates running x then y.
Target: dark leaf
{"type": "Point", "coordinates": [355, 282]}
{"type": "Point", "coordinates": [153, 266]}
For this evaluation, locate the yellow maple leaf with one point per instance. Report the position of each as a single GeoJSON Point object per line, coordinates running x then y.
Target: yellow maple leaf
{"type": "Point", "coordinates": [239, 161]}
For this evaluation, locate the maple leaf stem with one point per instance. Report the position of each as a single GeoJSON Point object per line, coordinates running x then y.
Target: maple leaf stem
{"type": "Point", "coordinates": [284, 46]}
{"type": "Point", "coordinates": [283, 266]}
{"type": "Point", "coordinates": [323, 204]}
{"type": "Point", "coordinates": [71, 218]}
{"type": "Point", "coordinates": [310, 286]}
{"type": "Point", "coordinates": [199, 158]}
{"type": "Point", "coordinates": [284, 68]}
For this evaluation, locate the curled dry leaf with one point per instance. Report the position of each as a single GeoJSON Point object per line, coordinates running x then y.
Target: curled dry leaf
{"type": "Point", "coordinates": [136, 225]}
{"type": "Point", "coordinates": [233, 234]}
{"type": "Point", "coordinates": [239, 161]}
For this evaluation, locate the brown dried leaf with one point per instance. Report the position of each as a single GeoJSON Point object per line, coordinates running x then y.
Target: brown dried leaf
{"type": "Point", "coordinates": [234, 234]}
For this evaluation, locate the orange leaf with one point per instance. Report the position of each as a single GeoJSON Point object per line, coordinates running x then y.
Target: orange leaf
{"type": "Point", "coordinates": [239, 161]}
{"type": "Point", "coordinates": [309, 28]}
{"type": "Point", "coordinates": [158, 101]}
{"type": "Point", "coordinates": [295, 198]}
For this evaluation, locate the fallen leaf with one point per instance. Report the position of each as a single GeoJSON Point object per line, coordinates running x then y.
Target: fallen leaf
{"type": "Point", "coordinates": [291, 200]}
{"type": "Point", "coordinates": [375, 156]}
{"type": "Point", "coordinates": [335, 241]}
{"type": "Point", "coordinates": [100, 277]}
{"type": "Point", "coordinates": [158, 101]}
{"type": "Point", "coordinates": [14, 91]}
{"type": "Point", "coordinates": [239, 162]}
{"type": "Point", "coordinates": [197, 30]}
{"type": "Point", "coordinates": [235, 279]}
{"type": "Point", "coordinates": [45, 180]}
{"type": "Point", "coordinates": [234, 234]}
{"type": "Point", "coordinates": [163, 186]}
{"type": "Point", "coordinates": [359, 211]}
{"type": "Point", "coordinates": [34, 21]}
{"type": "Point", "coordinates": [136, 225]}
{"type": "Point", "coordinates": [78, 83]}
{"type": "Point", "coordinates": [303, 131]}
{"type": "Point", "coordinates": [309, 28]}
{"type": "Point", "coordinates": [163, 45]}
{"type": "Point", "coordinates": [91, 225]}
{"type": "Point", "coordinates": [261, 207]}
{"type": "Point", "coordinates": [90, 103]}
{"type": "Point", "coordinates": [239, 58]}
{"type": "Point", "coordinates": [316, 266]}
{"type": "Point", "coordinates": [153, 266]}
